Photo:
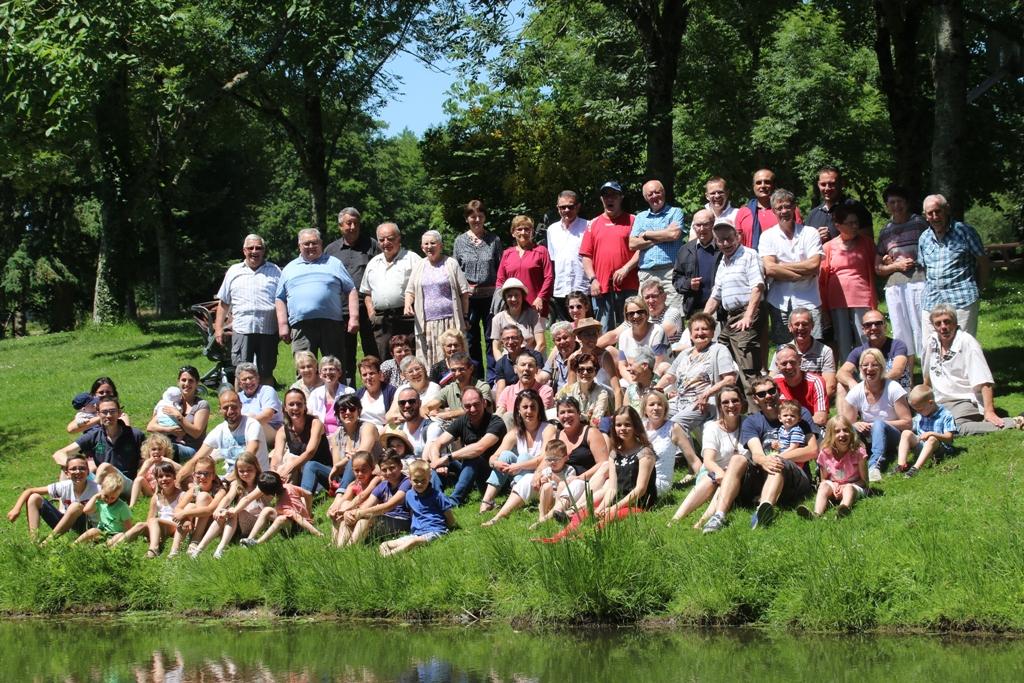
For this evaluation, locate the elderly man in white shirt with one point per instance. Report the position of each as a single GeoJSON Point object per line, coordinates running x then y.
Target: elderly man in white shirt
{"type": "Point", "coordinates": [563, 243]}
{"type": "Point", "coordinates": [248, 293]}
{"type": "Point", "coordinates": [791, 255]}
{"type": "Point", "coordinates": [383, 287]}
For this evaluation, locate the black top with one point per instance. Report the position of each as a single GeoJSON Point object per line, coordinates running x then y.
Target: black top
{"type": "Point", "coordinates": [581, 458]}
{"type": "Point", "coordinates": [297, 442]}
{"type": "Point", "coordinates": [627, 470]}
{"type": "Point", "coordinates": [462, 429]}
{"type": "Point", "coordinates": [354, 258]}
{"type": "Point", "coordinates": [125, 453]}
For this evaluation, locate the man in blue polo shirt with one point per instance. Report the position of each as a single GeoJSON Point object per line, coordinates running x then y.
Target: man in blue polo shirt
{"type": "Point", "coordinates": [657, 234]}
{"type": "Point", "coordinates": [309, 300]}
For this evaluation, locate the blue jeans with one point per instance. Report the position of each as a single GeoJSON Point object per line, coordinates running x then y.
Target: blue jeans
{"type": "Point", "coordinates": [608, 308]}
{"type": "Point", "coordinates": [183, 453]}
{"type": "Point", "coordinates": [314, 476]}
{"type": "Point", "coordinates": [471, 474]}
{"type": "Point", "coordinates": [884, 439]}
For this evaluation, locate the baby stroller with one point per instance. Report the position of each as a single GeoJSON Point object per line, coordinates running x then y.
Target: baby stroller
{"type": "Point", "coordinates": [223, 373]}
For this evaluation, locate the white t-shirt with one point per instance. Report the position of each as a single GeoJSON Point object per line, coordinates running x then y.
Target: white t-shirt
{"type": "Point", "coordinates": [373, 409]}
{"type": "Point", "coordinates": [725, 444]}
{"type": "Point", "coordinates": [885, 409]}
{"type": "Point", "coordinates": [227, 445]}
{"type": "Point", "coordinates": [959, 374]}
{"type": "Point", "coordinates": [805, 243]}
{"type": "Point", "coordinates": [64, 492]}
{"type": "Point", "coordinates": [654, 340]}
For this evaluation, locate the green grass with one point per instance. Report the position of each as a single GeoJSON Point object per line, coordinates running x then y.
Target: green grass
{"type": "Point", "coordinates": [940, 552]}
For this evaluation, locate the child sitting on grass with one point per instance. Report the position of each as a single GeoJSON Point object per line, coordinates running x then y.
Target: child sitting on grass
{"type": "Point", "coordinates": [197, 503]}
{"type": "Point", "coordinates": [156, 449]}
{"type": "Point", "coordinates": [560, 488]}
{"type": "Point", "coordinates": [288, 504]}
{"type": "Point", "coordinates": [72, 493]}
{"type": "Point", "coordinates": [354, 494]}
{"type": "Point", "coordinates": [790, 435]}
{"type": "Point", "coordinates": [384, 513]}
{"type": "Point", "coordinates": [114, 515]}
{"type": "Point", "coordinates": [431, 512]}
{"type": "Point", "coordinates": [932, 431]}
{"type": "Point", "coordinates": [843, 466]}
{"type": "Point", "coordinates": [160, 520]}
{"type": "Point", "coordinates": [230, 520]}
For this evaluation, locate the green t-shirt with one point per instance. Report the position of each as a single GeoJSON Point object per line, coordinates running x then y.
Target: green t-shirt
{"type": "Point", "coordinates": [113, 517]}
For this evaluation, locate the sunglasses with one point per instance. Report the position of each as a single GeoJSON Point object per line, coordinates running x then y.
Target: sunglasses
{"type": "Point", "coordinates": [766, 393]}
{"type": "Point", "coordinates": [408, 401]}
{"type": "Point", "coordinates": [199, 474]}
{"type": "Point", "coordinates": [587, 369]}
{"type": "Point", "coordinates": [873, 323]}
{"type": "Point", "coordinates": [347, 409]}
{"type": "Point", "coordinates": [635, 314]}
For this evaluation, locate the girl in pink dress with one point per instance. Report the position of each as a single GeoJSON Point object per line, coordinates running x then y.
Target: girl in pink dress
{"type": "Point", "coordinates": [843, 465]}
{"type": "Point", "coordinates": [287, 505]}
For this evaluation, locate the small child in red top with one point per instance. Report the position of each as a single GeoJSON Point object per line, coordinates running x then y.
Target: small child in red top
{"type": "Point", "coordinates": [287, 504]}
{"type": "Point", "coordinates": [354, 495]}
{"type": "Point", "coordinates": [843, 465]}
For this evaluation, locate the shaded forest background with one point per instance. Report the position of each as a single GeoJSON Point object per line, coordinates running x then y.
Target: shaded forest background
{"type": "Point", "coordinates": [141, 140]}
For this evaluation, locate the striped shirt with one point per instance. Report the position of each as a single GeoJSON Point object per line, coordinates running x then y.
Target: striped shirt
{"type": "Point", "coordinates": [250, 296]}
{"type": "Point", "coordinates": [736, 277]}
{"type": "Point", "coordinates": [950, 266]}
{"type": "Point", "coordinates": [660, 254]}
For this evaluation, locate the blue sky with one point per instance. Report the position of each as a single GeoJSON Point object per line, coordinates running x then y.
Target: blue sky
{"type": "Point", "coordinates": [417, 106]}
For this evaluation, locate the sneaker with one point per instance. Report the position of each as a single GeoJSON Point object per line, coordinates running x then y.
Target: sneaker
{"type": "Point", "coordinates": [874, 474]}
{"type": "Point", "coordinates": [763, 516]}
{"type": "Point", "coordinates": [911, 471]}
{"type": "Point", "coordinates": [247, 542]}
{"type": "Point", "coordinates": [902, 469]}
{"type": "Point", "coordinates": [804, 512]}
{"type": "Point", "coordinates": [716, 523]}
{"type": "Point", "coordinates": [842, 511]}
{"type": "Point", "coordinates": [193, 551]}
{"type": "Point", "coordinates": [218, 554]}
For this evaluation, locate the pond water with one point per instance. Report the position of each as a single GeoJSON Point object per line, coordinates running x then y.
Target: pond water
{"type": "Point", "coordinates": [163, 650]}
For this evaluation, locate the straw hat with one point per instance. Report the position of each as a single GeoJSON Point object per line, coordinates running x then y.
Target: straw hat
{"type": "Point", "coordinates": [513, 283]}
{"type": "Point", "coordinates": [586, 323]}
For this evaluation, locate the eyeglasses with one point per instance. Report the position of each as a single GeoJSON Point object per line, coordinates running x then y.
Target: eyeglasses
{"type": "Point", "coordinates": [408, 401]}
{"type": "Point", "coordinates": [873, 323]}
{"type": "Point", "coordinates": [108, 411]}
{"type": "Point", "coordinates": [587, 369]}
{"type": "Point", "coordinates": [766, 393]}
{"type": "Point", "coordinates": [566, 207]}
{"type": "Point", "coordinates": [200, 474]}
{"type": "Point", "coordinates": [635, 314]}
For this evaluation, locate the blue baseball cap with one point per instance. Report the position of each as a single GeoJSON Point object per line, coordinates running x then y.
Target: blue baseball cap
{"type": "Point", "coordinates": [611, 185]}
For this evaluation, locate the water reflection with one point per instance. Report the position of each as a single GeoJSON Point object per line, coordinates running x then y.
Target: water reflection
{"type": "Point", "coordinates": [155, 650]}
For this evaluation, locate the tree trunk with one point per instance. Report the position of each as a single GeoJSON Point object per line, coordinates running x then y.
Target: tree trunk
{"type": "Point", "coordinates": [316, 148]}
{"type": "Point", "coordinates": [167, 289]}
{"type": "Point", "coordinates": [660, 25]}
{"type": "Point", "coordinates": [111, 301]}
{"type": "Point", "coordinates": [950, 73]}
{"type": "Point", "coordinates": [898, 25]}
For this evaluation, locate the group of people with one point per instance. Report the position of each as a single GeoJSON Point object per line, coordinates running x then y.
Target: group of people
{"type": "Point", "coordinates": [660, 335]}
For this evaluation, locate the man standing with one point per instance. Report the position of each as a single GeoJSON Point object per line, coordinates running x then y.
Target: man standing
{"type": "Point", "coordinates": [479, 431]}
{"type": "Point", "coordinates": [657, 235]}
{"type": "Point", "coordinates": [607, 260]}
{"type": "Point", "coordinates": [354, 249]}
{"type": "Point", "coordinates": [805, 388]}
{"type": "Point", "coordinates": [309, 299]}
{"type": "Point", "coordinates": [757, 216]}
{"type": "Point", "coordinates": [248, 292]}
{"type": "Point", "coordinates": [563, 240]}
{"type": "Point", "coordinates": [829, 187]}
{"type": "Point", "coordinates": [955, 264]}
{"type": "Point", "coordinates": [383, 287]}
{"type": "Point", "coordinates": [693, 276]}
{"type": "Point", "coordinates": [717, 193]}
{"type": "Point", "coordinates": [736, 297]}
{"type": "Point", "coordinates": [791, 254]}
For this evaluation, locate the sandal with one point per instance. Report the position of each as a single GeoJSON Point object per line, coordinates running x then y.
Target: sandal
{"type": "Point", "coordinates": [486, 506]}
{"type": "Point", "coordinates": [152, 554]}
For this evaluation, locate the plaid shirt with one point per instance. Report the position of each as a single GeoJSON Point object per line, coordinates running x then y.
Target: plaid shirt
{"type": "Point", "coordinates": [949, 266]}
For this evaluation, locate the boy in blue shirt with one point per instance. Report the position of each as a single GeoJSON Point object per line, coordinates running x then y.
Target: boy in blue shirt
{"type": "Point", "coordinates": [431, 512]}
{"type": "Point", "coordinates": [933, 430]}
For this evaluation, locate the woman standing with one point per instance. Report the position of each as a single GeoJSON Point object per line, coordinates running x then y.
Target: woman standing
{"type": "Point", "coordinates": [478, 253]}
{"type": "Point", "coordinates": [437, 295]}
{"type": "Point", "coordinates": [192, 420]}
{"type": "Point", "coordinates": [529, 263]}
{"type": "Point", "coordinates": [883, 409]}
{"type": "Point", "coordinates": [846, 279]}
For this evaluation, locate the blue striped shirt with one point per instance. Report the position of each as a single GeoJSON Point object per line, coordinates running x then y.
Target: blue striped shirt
{"type": "Point", "coordinates": [950, 266]}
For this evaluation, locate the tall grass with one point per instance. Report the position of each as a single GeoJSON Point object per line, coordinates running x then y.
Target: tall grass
{"type": "Point", "coordinates": [942, 551]}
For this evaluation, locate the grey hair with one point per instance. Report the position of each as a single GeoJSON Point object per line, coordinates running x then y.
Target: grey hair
{"type": "Point", "coordinates": [943, 309]}
{"type": "Point", "coordinates": [789, 346]}
{"type": "Point", "coordinates": [390, 224]}
{"type": "Point", "coordinates": [942, 201]}
{"type": "Point", "coordinates": [653, 284]}
{"type": "Point", "coordinates": [569, 194]}
{"type": "Point", "coordinates": [643, 354]}
{"type": "Point", "coordinates": [560, 326]}
{"type": "Point", "coordinates": [349, 211]}
{"type": "Point", "coordinates": [433, 233]}
{"type": "Point", "coordinates": [332, 361]}
{"type": "Point", "coordinates": [310, 231]}
{"type": "Point", "coordinates": [781, 195]}
{"type": "Point", "coordinates": [800, 310]}
{"type": "Point", "coordinates": [409, 360]}
{"type": "Point", "coordinates": [253, 237]}
{"type": "Point", "coordinates": [513, 326]}
{"type": "Point", "coordinates": [247, 367]}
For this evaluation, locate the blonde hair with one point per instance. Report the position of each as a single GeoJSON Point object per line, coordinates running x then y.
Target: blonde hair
{"type": "Point", "coordinates": [658, 396]}
{"type": "Point", "coordinates": [790, 407]}
{"type": "Point", "coordinates": [830, 433]}
{"type": "Point", "coordinates": [920, 393]}
{"type": "Point", "coordinates": [522, 220]}
{"type": "Point", "coordinates": [418, 467]}
{"type": "Point", "coordinates": [555, 449]}
{"type": "Point", "coordinates": [304, 356]}
{"type": "Point", "coordinates": [454, 334]}
{"type": "Point", "coordinates": [111, 484]}
{"type": "Point", "coordinates": [874, 354]}
{"type": "Point", "coordinates": [166, 449]}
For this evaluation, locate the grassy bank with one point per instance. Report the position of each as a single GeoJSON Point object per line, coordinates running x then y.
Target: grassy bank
{"type": "Point", "coordinates": [942, 551]}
